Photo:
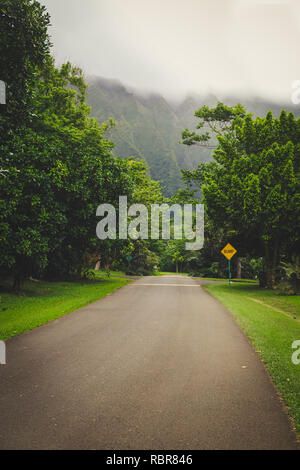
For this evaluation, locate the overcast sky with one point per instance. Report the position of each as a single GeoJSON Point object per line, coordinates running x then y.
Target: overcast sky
{"type": "Point", "coordinates": [248, 47]}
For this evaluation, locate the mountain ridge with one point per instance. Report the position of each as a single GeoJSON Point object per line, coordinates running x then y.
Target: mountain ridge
{"type": "Point", "coordinates": [149, 126]}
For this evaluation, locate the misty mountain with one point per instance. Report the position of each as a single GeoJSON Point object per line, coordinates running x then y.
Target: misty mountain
{"type": "Point", "coordinates": [149, 127]}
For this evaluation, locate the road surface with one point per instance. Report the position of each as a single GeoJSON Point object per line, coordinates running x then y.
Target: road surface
{"type": "Point", "coordinates": [159, 364]}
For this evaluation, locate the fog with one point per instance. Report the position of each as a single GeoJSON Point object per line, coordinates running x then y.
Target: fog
{"type": "Point", "coordinates": [175, 47]}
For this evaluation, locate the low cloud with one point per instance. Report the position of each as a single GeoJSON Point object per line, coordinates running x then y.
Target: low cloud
{"type": "Point", "coordinates": [176, 47]}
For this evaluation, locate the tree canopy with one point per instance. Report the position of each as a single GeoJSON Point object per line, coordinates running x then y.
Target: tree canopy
{"type": "Point", "coordinates": [252, 187]}
{"type": "Point", "coordinates": [59, 164]}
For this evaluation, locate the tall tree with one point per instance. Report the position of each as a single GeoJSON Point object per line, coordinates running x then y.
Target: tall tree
{"type": "Point", "coordinates": [252, 188]}
{"type": "Point", "coordinates": [60, 169]}
{"type": "Point", "coordinates": [24, 48]}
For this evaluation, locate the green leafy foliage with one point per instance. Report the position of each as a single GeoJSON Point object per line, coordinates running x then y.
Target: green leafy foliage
{"type": "Point", "coordinates": [24, 47]}
{"type": "Point", "coordinates": [252, 188]}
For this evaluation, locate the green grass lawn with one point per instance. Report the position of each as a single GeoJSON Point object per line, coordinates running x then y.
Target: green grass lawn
{"type": "Point", "coordinates": [41, 302]}
{"type": "Point", "coordinates": [164, 273]}
{"type": "Point", "coordinates": [268, 319]}
{"type": "Point", "coordinates": [252, 281]}
{"type": "Point", "coordinates": [102, 273]}
{"type": "Point", "coordinates": [108, 274]}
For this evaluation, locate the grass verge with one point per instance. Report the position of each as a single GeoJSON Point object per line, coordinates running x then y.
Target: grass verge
{"type": "Point", "coordinates": [165, 273]}
{"type": "Point", "coordinates": [252, 281]}
{"type": "Point", "coordinates": [101, 273]}
{"type": "Point", "coordinates": [271, 322]}
{"type": "Point", "coordinates": [40, 302]}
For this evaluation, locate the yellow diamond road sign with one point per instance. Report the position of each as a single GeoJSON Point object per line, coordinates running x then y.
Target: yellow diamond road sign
{"type": "Point", "coordinates": [228, 251]}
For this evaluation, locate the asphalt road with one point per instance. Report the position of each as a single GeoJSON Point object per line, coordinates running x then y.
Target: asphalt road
{"type": "Point", "coordinates": [158, 364]}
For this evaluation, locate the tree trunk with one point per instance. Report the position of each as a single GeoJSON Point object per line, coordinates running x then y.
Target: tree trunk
{"type": "Point", "coordinates": [271, 262]}
{"type": "Point", "coordinates": [176, 267]}
{"type": "Point", "coordinates": [262, 275]}
{"type": "Point", "coordinates": [17, 284]}
{"type": "Point", "coordinates": [238, 268]}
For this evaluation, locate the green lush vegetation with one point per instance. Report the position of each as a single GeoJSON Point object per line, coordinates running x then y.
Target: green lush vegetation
{"type": "Point", "coordinates": [251, 192]}
{"type": "Point", "coordinates": [41, 302]}
{"type": "Point", "coordinates": [268, 319]}
{"type": "Point", "coordinates": [149, 127]}
{"type": "Point", "coordinates": [58, 166]}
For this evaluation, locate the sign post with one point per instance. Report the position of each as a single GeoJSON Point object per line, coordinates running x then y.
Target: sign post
{"type": "Point", "coordinates": [229, 251]}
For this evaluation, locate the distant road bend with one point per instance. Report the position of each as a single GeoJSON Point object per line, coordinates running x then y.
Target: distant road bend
{"type": "Point", "coordinates": [159, 364]}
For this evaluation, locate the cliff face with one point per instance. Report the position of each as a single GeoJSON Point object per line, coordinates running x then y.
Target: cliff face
{"type": "Point", "coordinates": [150, 128]}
